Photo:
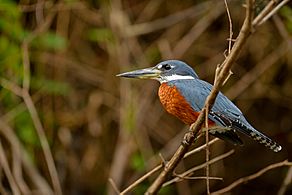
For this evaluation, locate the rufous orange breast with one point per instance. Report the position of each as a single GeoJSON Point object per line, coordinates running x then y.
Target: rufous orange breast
{"type": "Point", "coordinates": [175, 104]}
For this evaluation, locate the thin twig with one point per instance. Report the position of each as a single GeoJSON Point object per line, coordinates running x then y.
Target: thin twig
{"type": "Point", "coordinates": [141, 179]}
{"type": "Point", "coordinates": [207, 150]}
{"type": "Point", "coordinates": [7, 171]}
{"type": "Point", "coordinates": [11, 86]}
{"type": "Point", "coordinates": [36, 121]}
{"type": "Point", "coordinates": [124, 146]}
{"type": "Point", "coordinates": [37, 180]}
{"type": "Point", "coordinates": [197, 177]}
{"type": "Point", "coordinates": [187, 40]}
{"type": "Point", "coordinates": [26, 66]}
{"type": "Point", "coordinates": [281, 27]}
{"type": "Point", "coordinates": [157, 168]}
{"type": "Point", "coordinates": [43, 141]}
{"type": "Point", "coordinates": [17, 169]}
{"type": "Point", "coordinates": [20, 108]}
{"type": "Point", "coordinates": [258, 70]}
{"type": "Point", "coordinates": [230, 27]}
{"type": "Point", "coordinates": [198, 149]}
{"type": "Point", "coordinates": [201, 166]}
{"type": "Point", "coordinates": [53, 8]}
{"type": "Point", "coordinates": [286, 182]}
{"type": "Point", "coordinates": [253, 176]}
{"type": "Point", "coordinates": [264, 12]}
{"type": "Point", "coordinates": [148, 27]}
{"type": "Point", "coordinates": [202, 177]}
{"type": "Point", "coordinates": [271, 13]}
{"type": "Point", "coordinates": [111, 181]}
{"type": "Point", "coordinates": [31, 107]}
{"type": "Point", "coordinates": [229, 38]}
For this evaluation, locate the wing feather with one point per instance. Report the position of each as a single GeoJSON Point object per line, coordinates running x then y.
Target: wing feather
{"type": "Point", "coordinates": [196, 91]}
{"type": "Point", "coordinates": [223, 113]}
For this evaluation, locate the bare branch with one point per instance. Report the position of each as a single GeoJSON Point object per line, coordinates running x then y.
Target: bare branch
{"type": "Point", "coordinates": [230, 27]}
{"type": "Point", "coordinates": [270, 9]}
{"type": "Point", "coordinates": [258, 70]}
{"type": "Point", "coordinates": [43, 141]}
{"type": "Point", "coordinates": [271, 13]}
{"type": "Point", "coordinates": [186, 41]}
{"type": "Point", "coordinates": [253, 176]}
{"type": "Point", "coordinates": [144, 28]}
{"type": "Point", "coordinates": [198, 149]}
{"type": "Point", "coordinates": [264, 12]}
{"type": "Point", "coordinates": [286, 182]}
{"type": "Point", "coordinates": [40, 184]}
{"type": "Point", "coordinates": [192, 170]}
{"type": "Point", "coordinates": [157, 168]}
{"type": "Point", "coordinates": [31, 107]}
{"type": "Point", "coordinates": [11, 86]}
{"type": "Point", "coordinates": [37, 123]}
{"type": "Point", "coordinates": [198, 177]}
{"type": "Point", "coordinates": [7, 171]}
{"type": "Point", "coordinates": [111, 181]}
{"type": "Point", "coordinates": [141, 179]}
{"type": "Point", "coordinates": [207, 150]}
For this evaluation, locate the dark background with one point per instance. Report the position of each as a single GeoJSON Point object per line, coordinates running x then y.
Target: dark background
{"type": "Point", "coordinates": [100, 126]}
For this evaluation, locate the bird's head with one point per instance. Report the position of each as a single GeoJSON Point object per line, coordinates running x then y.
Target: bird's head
{"type": "Point", "coordinates": [163, 72]}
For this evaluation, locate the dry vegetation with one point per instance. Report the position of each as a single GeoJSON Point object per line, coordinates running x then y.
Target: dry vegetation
{"type": "Point", "coordinates": [68, 125]}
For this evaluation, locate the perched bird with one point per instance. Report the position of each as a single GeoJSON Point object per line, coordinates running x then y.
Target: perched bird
{"type": "Point", "coordinates": [183, 95]}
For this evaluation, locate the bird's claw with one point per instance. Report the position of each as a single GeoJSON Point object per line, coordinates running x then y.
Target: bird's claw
{"type": "Point", "coordinates": [187, 138]}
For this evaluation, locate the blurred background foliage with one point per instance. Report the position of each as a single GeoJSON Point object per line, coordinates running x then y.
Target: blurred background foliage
{"type": "Point", "coordinates": [99, 126]}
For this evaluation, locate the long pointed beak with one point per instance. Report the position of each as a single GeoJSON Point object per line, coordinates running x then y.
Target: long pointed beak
{"type": "Point", "coordinates": [147, 73]}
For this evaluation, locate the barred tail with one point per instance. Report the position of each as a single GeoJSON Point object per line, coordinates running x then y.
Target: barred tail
{"type": "Point", "coordinates": [244, 127]}
{"type": "Point", "coordinates": [263, 139]}
{"type": "Point", "coordinates": [256, 135]}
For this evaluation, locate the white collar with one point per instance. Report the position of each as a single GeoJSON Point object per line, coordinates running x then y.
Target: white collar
{"type": "Point", "coordinates": [174, 77]}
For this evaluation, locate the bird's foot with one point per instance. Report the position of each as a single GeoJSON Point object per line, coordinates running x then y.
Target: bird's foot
{"type": "Point", "coordinates": [188, 137]}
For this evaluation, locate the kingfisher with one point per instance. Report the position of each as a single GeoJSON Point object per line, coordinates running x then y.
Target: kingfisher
{"type": "Point", "coordinates": [183, 95]}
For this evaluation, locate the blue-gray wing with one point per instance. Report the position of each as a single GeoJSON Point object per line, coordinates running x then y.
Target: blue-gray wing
{"type": "Point", "coordinates": [223, 113]}
{"type": "Point", "coordinates": [196, 91]}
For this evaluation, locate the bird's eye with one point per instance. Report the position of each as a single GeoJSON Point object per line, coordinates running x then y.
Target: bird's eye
{"type": "Point", "coordinates": [166, 66]}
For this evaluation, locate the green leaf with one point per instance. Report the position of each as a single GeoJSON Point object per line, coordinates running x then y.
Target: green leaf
{"type": "Point", "coordinates": [12, 34]}
{"type": "Point", "coordinates": [286, 12]}
{"type": "Point", "coordinates": [100, 35]}
{"type": "Point", "coordinates": [50, 86]}
{"type": "Point", "coordinates": [137, 162]}
{"type": "Point", "coordinates": [50, 40]}
{"type": "Point", "coordinates": [8, 99]}
{"type": "Point", "coordinates": [153, 54]}
{"type": "Point", "coordinates": [167, 190]}
{"type": "Point", "coordinates": [141, 188]}
{"type": "Point", "coordinates": [25, 129]}
{"type": "Point", "coordinates": [10, 20]}
{"type": "Point", "coordinates": [130, 119]}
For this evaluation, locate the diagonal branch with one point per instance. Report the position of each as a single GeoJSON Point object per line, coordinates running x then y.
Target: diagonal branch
{"type": "Point", "coordinates": [157, 168]}
{"type": "Point", "coordinates": [286, 182]}
{"type": "Point", "coordinates": [192, 170]}
{"type": "Point", "coordinates": [253, 176]}
{"type": "Point", "coordinates": [7, 171]}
